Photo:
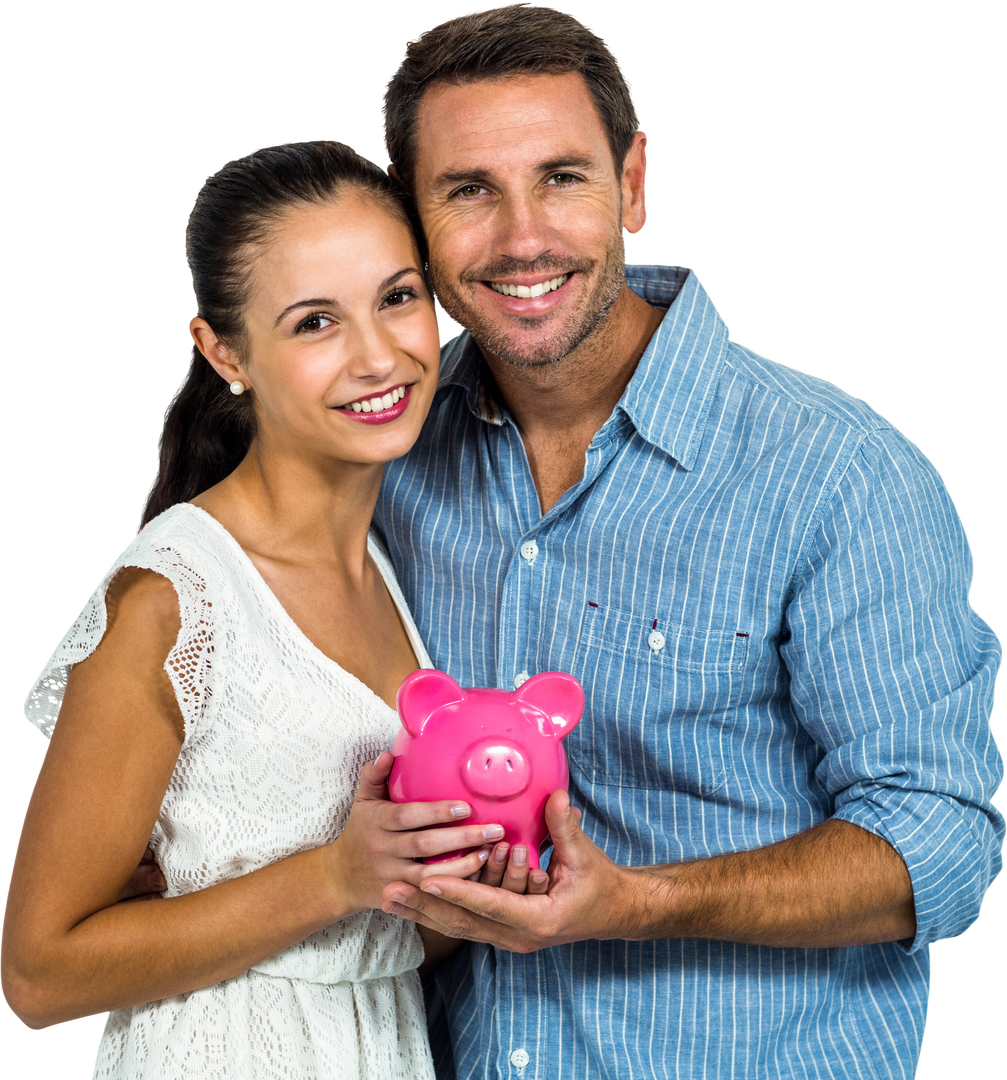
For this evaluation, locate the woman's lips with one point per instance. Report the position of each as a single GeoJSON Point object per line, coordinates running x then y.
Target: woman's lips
{"type": "Point", "coordinates": [364, 410]}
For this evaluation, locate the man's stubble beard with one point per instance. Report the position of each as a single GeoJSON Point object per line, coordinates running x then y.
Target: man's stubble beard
{"type": "Point", "coordinates": [578, 327]}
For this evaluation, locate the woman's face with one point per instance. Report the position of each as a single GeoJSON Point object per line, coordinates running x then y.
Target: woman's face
{"type": "Point", "coordinates": [342, 349]}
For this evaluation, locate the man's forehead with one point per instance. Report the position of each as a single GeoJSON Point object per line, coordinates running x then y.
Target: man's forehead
{"type": "Point", "coordinates": [541, 118]}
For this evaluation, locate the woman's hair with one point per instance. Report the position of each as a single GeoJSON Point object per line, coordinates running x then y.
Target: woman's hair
{"type": "Point", "coordinates": [207, 429]}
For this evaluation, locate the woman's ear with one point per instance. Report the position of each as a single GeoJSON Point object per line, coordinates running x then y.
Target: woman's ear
{"type": "Point", "coordinates": [221, 358]}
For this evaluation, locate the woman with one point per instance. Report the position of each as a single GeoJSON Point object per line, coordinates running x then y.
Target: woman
{"type": "Point", "coordinates": [237, 667]}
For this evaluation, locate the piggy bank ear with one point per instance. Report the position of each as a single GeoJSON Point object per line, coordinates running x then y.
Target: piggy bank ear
{"type": "Point", "coordinates": [421, 694]}
{"type": "Point", "coordinates": [559, 696]}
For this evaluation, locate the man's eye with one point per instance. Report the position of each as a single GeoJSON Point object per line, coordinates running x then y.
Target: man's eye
{"type": "Point", "coordinates": [469, 191]}
{"type": "Point", "coordinates": [313, 323]}
{"type": "Point", "coordinates": [562, 179]}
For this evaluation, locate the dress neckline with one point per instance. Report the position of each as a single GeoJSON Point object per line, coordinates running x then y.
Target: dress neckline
{"type": "Point", "coordinates": [287, 619]}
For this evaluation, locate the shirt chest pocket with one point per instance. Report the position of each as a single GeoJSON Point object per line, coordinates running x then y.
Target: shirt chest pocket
{"type": "Point", "coordinates": [660, 703]}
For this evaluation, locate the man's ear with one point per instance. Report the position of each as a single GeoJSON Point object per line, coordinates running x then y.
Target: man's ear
{"type": "Point", "coordinates": [221, 359]}
{"type": "Point", "coordinates": [394, 174]}
{"type": "Point", "coordinates": [634, 174]}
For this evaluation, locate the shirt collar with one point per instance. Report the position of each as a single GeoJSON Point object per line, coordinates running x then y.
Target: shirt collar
{"type": "Point", "coordinates": [668, 399]}
{"type": "Point", "coordinates": [672, 390]}
{"type": "Point", "coordinates": [461, 366]}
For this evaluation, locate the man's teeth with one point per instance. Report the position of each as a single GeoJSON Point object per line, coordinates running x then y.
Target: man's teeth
{"type": "Point", "coordinates": [378, 404]}
{"type": "Point", "coordinates": [529, 292]}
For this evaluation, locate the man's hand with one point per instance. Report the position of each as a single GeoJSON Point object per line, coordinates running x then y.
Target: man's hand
{"type": "Point", "coordinates": [588, 896]}
{"type": "Point", "coordinates": [833, 885]}
{"type": "Point", "coordinates": [146, 882]}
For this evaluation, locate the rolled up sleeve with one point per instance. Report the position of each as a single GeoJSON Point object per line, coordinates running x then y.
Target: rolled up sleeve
{"type": "Point", "coordinates": [892, 674]}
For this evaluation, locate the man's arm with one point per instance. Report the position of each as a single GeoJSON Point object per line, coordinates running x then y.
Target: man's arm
{"type": "Point", "coordinates": [834, 885]}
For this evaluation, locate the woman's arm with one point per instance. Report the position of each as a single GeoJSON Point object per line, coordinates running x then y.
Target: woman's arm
{"type": "Point", "coordinates": [72, 951]}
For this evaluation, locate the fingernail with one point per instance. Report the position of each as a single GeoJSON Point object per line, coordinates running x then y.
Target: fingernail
{"type": "Point", "coordinates": [493, 832]}
{"type": "Point", "coordinates": [432, 889]}
{"type": "Point", "coordinates": [157, 881]}
{"type": "Point", "coordinates": [520, 855]}
{"type": "Point", "coordinates": [539, 876]}
{"type": "Point", "coordinates": [395, 909]}
{"type": "Point", "coordinates": [398, 896]}
{"type": "Point", "coordinates": [461, 809]}
{"type": "Point", "coordinates": [500, 853]}
{"type": "Point", "coordinates": [484, 854]}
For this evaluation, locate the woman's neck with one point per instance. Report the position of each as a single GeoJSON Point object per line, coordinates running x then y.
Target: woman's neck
{"type": "Point", "coordinates": [290, 509]}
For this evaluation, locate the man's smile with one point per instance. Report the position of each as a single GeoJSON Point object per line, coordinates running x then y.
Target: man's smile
{"type": "Point", "coordinates": [525, 295]}
{"type": "Point", "coordinates": [528, 292]}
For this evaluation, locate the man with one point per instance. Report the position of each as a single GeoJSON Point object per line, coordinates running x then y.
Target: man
{"type": "Point", "coordinates": [784, 766]}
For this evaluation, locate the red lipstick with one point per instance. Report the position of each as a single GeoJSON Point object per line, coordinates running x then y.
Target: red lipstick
{"type": "Point", "coordinates": [386, 415]}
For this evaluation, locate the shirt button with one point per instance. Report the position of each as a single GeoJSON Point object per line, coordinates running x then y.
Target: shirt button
{"type": "Point", "coordinates": [519, 1059]}
{"type": "Point", "coordinates": [656, 640]}
{"type": "Point", "coordinates": [520, 679]}
{"type": "Point", "coordinates": [529, 549]}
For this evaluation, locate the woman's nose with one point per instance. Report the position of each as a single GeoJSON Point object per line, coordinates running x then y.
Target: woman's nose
{"type": "Point", "coordinates": [375, 353]}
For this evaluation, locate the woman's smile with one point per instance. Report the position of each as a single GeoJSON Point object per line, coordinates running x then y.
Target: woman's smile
{"type": "Point", "coordinates": [380, 408]}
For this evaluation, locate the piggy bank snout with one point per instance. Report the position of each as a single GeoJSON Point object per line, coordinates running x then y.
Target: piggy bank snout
{"type": "Point", "coordinates": [496, 769]}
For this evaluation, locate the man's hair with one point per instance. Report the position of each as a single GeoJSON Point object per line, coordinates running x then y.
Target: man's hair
{"type": "Point", "coordinates": [507, 41]}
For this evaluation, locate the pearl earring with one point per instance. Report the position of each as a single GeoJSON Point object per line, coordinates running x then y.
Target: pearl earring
{"type": "Point", "coordinates": [237, 387]}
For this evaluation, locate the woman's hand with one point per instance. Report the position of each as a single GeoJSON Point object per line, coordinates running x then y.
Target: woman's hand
{"type": "Point", "coordinates": [146, 882]}
{"type": "Point", "coordinates": [512, 873]}
{"type": "Point", "coordinates": [382, 841]}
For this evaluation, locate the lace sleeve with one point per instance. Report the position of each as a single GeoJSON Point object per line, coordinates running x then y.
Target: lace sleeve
{"type": "Point", "coordinates": [191, 665]}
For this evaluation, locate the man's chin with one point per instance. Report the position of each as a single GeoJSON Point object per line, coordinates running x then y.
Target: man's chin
{"type": "Point", "coordinates": [512, 350]}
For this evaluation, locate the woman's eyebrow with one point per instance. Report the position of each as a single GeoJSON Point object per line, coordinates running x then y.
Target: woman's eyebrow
{"type": "Point", "coordinates": [316, 302]}
{"type": "Point", "coordinates": [322, 301]}
{"type": "Point", "coordinates": [392, 278]}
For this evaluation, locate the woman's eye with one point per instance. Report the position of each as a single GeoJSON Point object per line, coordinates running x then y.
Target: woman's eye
{"type": "Point", "coordinates": [313, 323]}
{"type": "Point", "coordinates": [397, 297]}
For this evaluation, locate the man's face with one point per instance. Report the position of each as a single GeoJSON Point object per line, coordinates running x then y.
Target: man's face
{"type": "Point", "coordinates": [523, 208]}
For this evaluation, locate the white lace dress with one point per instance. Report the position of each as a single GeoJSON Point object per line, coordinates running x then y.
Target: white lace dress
{"type": "Point", "coordinates": [275, 736]}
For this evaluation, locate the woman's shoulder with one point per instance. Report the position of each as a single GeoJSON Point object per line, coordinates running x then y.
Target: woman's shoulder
{"type": "Point", "coordinates": [182, 524]}
{"type": "Point", "coordinates": [195, 553]}
{"type": "Point", "coordinates": [178, 567]}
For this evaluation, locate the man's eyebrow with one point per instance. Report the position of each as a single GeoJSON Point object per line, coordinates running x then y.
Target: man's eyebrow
{"type": "Point", "coordinates": [576, 161]}
{"type": "Point", "coordinates": [321, 301]}
{"type": "Point", "coordinates": [480, 176]}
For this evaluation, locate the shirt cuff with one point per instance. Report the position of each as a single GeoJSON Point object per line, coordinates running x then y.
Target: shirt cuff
{"type": "Point", "coordinates": [950, 849]}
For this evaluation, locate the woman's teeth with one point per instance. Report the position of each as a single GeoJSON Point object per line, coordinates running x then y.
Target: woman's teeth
{"type": "Point", "coordinates": [529, 292]}
{"type": "Point", "coordinates": [378, 404]}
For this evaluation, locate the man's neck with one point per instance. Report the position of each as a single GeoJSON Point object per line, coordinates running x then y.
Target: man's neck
{"type": "Point", "coordinates": [559, 407]}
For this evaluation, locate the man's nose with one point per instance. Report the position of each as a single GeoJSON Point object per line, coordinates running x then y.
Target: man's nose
{"type": "Point", "coordinates": [523, 230]}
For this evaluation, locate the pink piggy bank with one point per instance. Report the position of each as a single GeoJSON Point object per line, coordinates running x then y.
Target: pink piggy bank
{"type": "Point", "coordinates": [501, 752]}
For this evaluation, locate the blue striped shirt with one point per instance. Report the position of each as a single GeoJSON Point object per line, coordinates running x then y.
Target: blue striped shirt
{"type": "Point", "coordinates": [764, 589]}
